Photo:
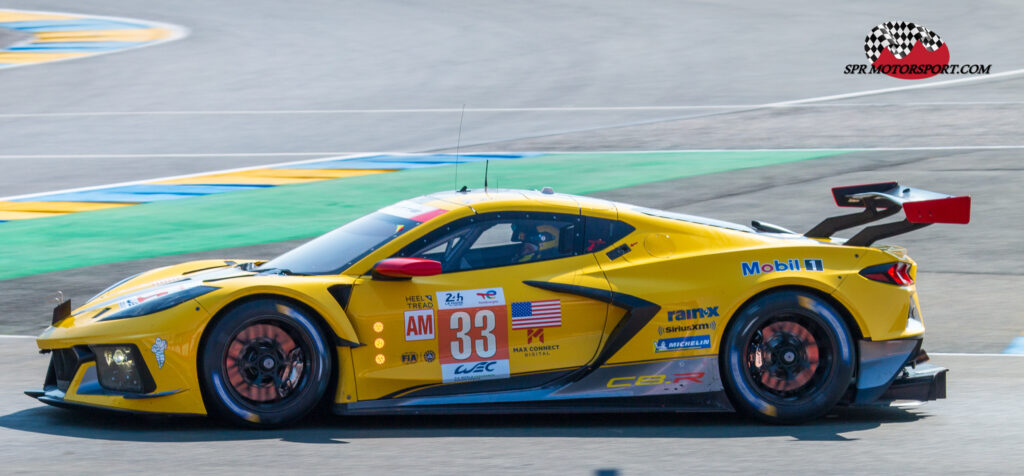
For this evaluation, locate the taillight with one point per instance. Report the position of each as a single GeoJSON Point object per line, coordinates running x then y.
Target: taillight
{"type": "Point", "coordinates": [893, 273]}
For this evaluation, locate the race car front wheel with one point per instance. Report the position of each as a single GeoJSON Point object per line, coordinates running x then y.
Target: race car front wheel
{"type": "Point", "coordinates": [265, 363]}
{"type": "Point", "coordinates": [787, 357]}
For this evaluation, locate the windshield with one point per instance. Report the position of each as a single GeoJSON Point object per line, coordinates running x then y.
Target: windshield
{"type": "Point", "coordinates": [335, 251]}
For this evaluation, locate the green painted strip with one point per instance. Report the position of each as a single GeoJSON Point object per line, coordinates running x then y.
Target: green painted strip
{"type": "Point", "coordinates": [299, 211]}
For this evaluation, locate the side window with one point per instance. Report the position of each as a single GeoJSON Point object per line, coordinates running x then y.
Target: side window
{"type": "Point", "coordinates": [602, 232]}
{"type": "Point", "coordinates": [500, 239]}
{"type": "Point", "coordinates": [443, 249]}
{"type": "Point", "coordinates": [443, 244]}
{"type": "Point", "coordinates": [507, 242]}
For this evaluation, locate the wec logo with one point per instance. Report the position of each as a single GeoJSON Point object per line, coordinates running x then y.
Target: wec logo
{"type": "Point", "coordinates": [477, 368]}
{"type": "Point", "coordinates": [755, 267]}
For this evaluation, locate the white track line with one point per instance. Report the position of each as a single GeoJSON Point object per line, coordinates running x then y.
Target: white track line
{"type": "Point", "coordinates": [768, 105]}
{"type": "Point", "coordinates": [794, 149]}
{"type": "Point", "coordinates": [158, 156]}
{"type": "Point", "coordinates": [910, 87]}
{"type": "Point", "coordinates": [780, 104]}
{"type": "Point", "coordinates": [9, 336]}
{"type": "Point", "coordinates": [964, 354]}
{"type": "Point", "coordinates": [599, 109]}
{"type": "Point", "coordinates": [177, 32]}
{"type": "Point", "coordinates": [373, 111]}
{"type": "Point", "coordinates": [349, 154]}
{"type": "Point", "coordinates": [325, 156]}
{"type": "Point", "coordinates": [174, 177]}
{"type": "Point", "coordinates": [714, 107]}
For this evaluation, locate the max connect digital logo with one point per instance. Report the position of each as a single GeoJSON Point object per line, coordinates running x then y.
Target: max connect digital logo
{"type": "Point", "coordinates": [907, 50]}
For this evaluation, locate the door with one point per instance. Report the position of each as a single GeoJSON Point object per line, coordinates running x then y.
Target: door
{"type": "Point", "coordinates": [478, 324]}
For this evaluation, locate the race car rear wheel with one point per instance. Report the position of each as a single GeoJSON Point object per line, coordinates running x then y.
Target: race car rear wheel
{"type": "Point", "coordinates": [788, 357]}
{"type": "Point", "coordinates": [264, 364]}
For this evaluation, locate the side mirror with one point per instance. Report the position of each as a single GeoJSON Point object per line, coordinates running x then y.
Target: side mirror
{"type": "Point", "coordinates": [405, 268]}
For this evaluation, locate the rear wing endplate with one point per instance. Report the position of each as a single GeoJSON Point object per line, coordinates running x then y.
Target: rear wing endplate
{"type": "Point", "coordinates": [881, 200]}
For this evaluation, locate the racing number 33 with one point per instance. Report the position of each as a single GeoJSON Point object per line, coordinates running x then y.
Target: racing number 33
{"type": "Point", "coordinates": [473, 335]}
{"type": "Point", "coordinates": [462, 346]}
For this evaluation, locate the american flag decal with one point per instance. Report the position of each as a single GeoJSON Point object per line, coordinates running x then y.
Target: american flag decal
{"type": "Point", "coordinates": [532, 314]}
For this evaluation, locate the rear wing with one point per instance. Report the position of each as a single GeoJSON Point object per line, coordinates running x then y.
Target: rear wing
{"type": "Point", "coordinates": [881, 200]}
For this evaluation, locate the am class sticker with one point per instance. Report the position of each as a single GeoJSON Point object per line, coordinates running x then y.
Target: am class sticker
{"type": "Point", "coordinates": [419, 324]}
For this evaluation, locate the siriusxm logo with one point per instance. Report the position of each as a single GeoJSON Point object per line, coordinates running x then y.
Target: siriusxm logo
{"type": "Point", "coordinates": [699, 313]}
{"type": "Point", "coordinates": [755, 267]}
{"type": "Point", "coordinates": [701, 326]}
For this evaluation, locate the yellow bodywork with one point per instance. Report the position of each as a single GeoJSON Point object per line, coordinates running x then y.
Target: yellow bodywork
{"type": "Point", "coordinates": [679, 265]}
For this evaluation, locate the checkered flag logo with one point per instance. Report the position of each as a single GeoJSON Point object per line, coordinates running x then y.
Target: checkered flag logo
{"type": "Point", "coordinates": [899, 38]}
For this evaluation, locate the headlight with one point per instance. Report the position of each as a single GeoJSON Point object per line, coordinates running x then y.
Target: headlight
{"type": "Point", "coordinates": [158, 304]}
{"type": "Point", "coordinates": [121, 368]}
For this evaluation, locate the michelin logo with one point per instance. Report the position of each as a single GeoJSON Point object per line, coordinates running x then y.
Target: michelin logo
{"type": "Point", "coordinates": [683, 343]}
{"type": "Point", "coordinates": [753, 268]}
{"type": "Point", "coordinates": [158, 351]}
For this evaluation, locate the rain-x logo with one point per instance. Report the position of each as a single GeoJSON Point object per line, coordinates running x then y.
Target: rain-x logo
{"type": "Point", "coordinates": [906, 50]}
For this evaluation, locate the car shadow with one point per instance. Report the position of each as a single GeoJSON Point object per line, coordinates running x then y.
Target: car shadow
{"type": "Point", "coordinates": [331, 429]}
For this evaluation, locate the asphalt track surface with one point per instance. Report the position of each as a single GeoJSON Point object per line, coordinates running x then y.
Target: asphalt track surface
{"type": "Point", "coordinates": [187, 106]}
{"type": "Point", "coordinates": [10, 37]}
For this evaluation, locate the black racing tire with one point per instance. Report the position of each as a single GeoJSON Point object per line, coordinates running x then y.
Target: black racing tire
{"type": "Point", "coordinates": [264, 364]}
{"type": "Point", "coordinates": [787, 357]}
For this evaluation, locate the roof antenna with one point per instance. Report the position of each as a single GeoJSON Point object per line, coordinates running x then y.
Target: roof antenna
{"type": "Point", "coordinates": [487, 166]}
{"type": "Point", "coordinates": [459, 144]}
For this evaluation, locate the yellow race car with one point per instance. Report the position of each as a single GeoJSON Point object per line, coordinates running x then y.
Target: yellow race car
{"type": "Point", "coordinates": [519, 301]}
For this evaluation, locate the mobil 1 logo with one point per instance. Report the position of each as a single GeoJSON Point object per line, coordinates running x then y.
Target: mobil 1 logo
{"type": "Point", "coordinates": [753, 268]}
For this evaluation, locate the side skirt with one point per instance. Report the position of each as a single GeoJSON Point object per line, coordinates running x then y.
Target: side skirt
{"type": "Point", "coordinates": [668, 385]}
{"type": "Point", "coordinates": [694, 402]}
